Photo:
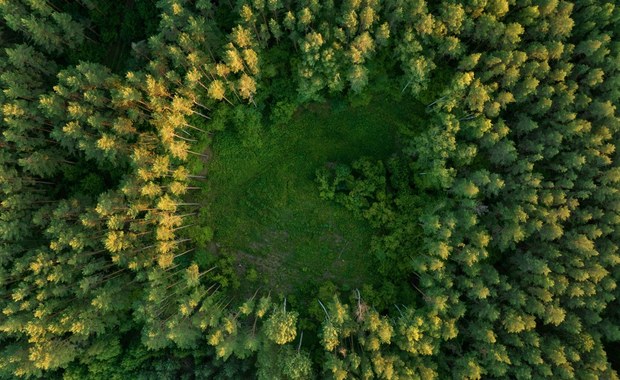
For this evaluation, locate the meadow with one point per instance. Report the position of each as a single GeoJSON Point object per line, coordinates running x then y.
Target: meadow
{"type": "Point", "coordinates": [264, 205]}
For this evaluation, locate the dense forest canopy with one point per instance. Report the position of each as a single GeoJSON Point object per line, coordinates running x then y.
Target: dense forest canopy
{"type": "Point", "coordinates": [278, 189]}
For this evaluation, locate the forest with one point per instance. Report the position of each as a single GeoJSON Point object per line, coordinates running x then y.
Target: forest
{"type": "Point", "coordinates": [309, 189]}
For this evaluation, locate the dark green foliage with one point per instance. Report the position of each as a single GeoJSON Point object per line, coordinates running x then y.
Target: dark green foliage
{"type": "Point", "coordinates": [247, 122]}
{"type": "Point", "coordinates": [115, 32]}
{"type": "Point", "coordinates": [282, 112]}
{"type": "Point", "coordinates": [309, 189]}
{"type": "Point", "coordinates": [292, 236]}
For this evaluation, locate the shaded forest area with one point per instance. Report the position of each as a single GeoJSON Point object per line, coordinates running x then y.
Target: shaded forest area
{"type": "Point", "coordinates": [460, 155]}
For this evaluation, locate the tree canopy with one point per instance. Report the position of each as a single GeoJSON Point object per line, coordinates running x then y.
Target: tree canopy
{"type": "Point", "coordinates": [492, 214]}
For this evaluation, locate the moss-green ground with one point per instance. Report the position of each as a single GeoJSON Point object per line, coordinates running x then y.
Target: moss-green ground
{"type": "Point", "coordinates": [263, 203]}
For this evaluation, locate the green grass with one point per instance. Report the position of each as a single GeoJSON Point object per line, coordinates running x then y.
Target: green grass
{"type": "Point", "coordinates": [263, 203]}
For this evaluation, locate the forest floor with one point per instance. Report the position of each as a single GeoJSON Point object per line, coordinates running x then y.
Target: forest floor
{"type": "Point", "coordinates": [264, 204]}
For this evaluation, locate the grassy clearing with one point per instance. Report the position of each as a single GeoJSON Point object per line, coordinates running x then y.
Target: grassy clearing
{"type": "Point", "coordinates": [263, 203]}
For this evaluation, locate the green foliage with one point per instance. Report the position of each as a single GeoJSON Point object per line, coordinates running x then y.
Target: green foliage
{"type": "Point", "coordinates": [284, 363]}
{"type": "Point", "coordinates": [201, 235]}
{"type": "Point", "coordinates": [444, 173]}
{"type": "Point", "coordinates": [280, 327]}
{"type": "Point", "coordinates": [247, 122]}
{"type": "Point", "coordinates": [282, 113]}
{"type": "Point", "coordinates": [114, 30]}
{"type": "Point", "coordinates": [226, 275]}
{"type": "Point", "coordinates": [281, 220]}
